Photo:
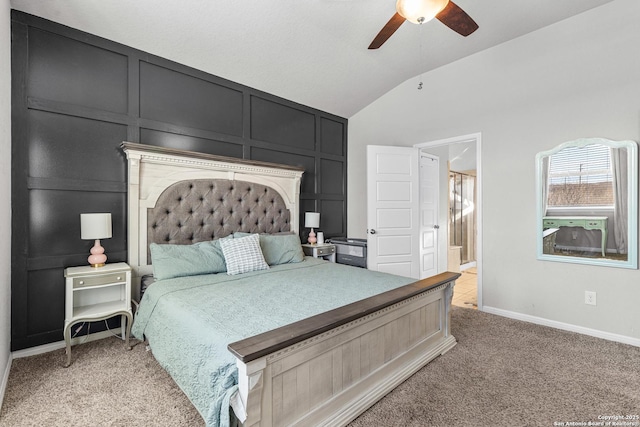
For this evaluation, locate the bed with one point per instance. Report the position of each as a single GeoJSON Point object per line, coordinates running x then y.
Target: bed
{"type": "Point", "coordinates": [300, 342]}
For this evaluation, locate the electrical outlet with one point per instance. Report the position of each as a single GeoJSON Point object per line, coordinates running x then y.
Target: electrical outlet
{"type": "Point", "coordinates": [590, 297]}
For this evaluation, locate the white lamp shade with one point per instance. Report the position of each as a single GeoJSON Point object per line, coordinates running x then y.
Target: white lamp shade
{"type": "Point", "coordinates": [415, 10]}
{"type": "Point", "coordinates": [95, 226]}
{"type": "Point", "coordinates": [311, 219]}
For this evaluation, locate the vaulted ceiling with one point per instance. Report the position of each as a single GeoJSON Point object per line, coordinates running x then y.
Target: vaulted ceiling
{"type": "Point", "coordinates": [313, 52]}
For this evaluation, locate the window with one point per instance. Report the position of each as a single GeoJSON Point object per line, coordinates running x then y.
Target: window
{"type": "Point", "coordinates": [581, 177]}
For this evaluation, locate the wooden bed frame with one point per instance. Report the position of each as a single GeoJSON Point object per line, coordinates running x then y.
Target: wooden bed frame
{"type": "Point", "coordinates": [324, 370]}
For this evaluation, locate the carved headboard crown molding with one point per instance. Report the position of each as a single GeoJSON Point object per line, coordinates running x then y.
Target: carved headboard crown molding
{"type": "Point", "coordinates": [164, 153]}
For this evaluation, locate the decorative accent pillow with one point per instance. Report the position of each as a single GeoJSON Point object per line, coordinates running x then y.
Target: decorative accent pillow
{"type": "Point", "coordinates": [280, 248]}
{"type": "Point", "coordinates": [243, 255]}
{"type": "Point", "coordinates": [171, 260]}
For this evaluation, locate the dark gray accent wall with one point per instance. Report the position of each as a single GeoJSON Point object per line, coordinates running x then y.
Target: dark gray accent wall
{"type": "Point", "coordinates": [76, 97]}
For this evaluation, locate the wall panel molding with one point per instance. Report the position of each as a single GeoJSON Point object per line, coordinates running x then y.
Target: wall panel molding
{"type": "Point", "coordinates": [76, 97]}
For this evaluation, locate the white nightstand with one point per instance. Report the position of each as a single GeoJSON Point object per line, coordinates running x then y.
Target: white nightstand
{"type": "Point", "coordinates": [94, 294]}
{"type": "Point", "coordinates": [324, 250]}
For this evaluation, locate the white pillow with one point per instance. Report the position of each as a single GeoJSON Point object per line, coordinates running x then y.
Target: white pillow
{"type": "Point", "coordinates": [243, 255]}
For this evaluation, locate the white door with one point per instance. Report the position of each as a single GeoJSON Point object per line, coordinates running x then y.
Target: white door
{"type": "Point", "coordinates": [429, 193]}
{"type": "Point", "coordinates": [393, 210]}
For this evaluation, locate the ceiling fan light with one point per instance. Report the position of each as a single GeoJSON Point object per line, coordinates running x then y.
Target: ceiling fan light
{"type": "Point", "coordinates": [419, 11]}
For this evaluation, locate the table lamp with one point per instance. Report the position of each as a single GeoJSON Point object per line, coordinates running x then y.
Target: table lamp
{"type": "Point", "coordinates": [96, 226]}
{"type": "Point", "coordinates": [312, 220]}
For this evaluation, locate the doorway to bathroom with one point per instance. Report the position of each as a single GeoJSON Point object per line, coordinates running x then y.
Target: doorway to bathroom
{"type": "Point", "coordinates": [463, 217]}
{"type": "Point", "coordinates": [462, 235]}
{"type": "Point", "coordinates": [461, 208]}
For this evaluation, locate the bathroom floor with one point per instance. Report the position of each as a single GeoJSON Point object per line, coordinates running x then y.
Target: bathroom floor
{"type": "Point", "coordinates": [465, 292]}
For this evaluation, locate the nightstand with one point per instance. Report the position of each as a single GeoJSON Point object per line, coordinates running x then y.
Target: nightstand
{"type": "Point", "coordinates": [324, 250]}
{"type": "Point", "coordinates": [93, 294]}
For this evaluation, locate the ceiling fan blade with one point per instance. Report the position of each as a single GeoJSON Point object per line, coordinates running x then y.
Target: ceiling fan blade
{"type": "Point", "coordinates": [457, 19]}
{"type": "Point", "coordinates": [387, 31]}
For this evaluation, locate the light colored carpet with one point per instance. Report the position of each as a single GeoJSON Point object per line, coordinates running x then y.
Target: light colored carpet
{"type": "Point", "coordinates": [105, 385]}
{"type": "Point", "coordinates": [502, 373]}
{"type": "Point", "coordinates": [505, 372]}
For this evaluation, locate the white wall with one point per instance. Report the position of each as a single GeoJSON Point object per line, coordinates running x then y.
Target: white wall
{"type": "Point", "coordinates": [577, 78]}
{"type": "Point", "coordinates": [5, 192]}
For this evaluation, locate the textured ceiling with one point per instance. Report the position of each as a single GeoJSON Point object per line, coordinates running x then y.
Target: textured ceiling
{"type": "Point", "coordinates": [313, 52]}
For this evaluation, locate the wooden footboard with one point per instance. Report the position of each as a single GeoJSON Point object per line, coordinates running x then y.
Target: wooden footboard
{"type": "Point", "coordinates": [328, 369]}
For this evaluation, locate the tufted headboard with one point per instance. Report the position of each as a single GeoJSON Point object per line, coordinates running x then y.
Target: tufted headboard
{"type": "Point", "coordinates": [183, 197]}
{"type": "Point", "coordinates": [197, 210]}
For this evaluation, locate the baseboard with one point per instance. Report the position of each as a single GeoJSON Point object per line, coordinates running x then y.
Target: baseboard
{"type": "Point", "coordinates": [468, 265]}
{"type": "Point", "coordinates": [564, 326]}
{"type": "Point", "coordinates": [41, 349]}
{"type": "Point", "coordinates": [597, 250]}
{"type": "Point", "coordinates": [5, 379]}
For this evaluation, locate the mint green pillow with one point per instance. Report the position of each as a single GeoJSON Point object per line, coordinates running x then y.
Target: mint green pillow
{"type": "Point", "coordinates": [171, 261]}
{"type": "Point", "coordinates": [279, 248]}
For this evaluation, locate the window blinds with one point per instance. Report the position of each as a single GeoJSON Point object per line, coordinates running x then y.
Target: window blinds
{"type": "Point", "coordinates": [581, 165]}
{"type": "Point", "coordinates": [581, 177]}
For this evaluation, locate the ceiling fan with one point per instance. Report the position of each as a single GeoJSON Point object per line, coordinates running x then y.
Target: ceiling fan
{"type": "Point", "coordinates": [420, 11]}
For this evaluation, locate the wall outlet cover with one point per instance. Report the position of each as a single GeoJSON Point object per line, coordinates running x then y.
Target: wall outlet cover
{"type": "Point", "coordinates": [590, 297]}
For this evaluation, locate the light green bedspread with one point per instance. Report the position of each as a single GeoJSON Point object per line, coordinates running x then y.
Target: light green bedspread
{"type": "Point", "coordinates": [189, 321]}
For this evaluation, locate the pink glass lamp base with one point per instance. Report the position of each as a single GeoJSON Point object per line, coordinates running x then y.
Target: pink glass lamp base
{"type": "Point", "coordinates": [312, 238]}
{"type": "Point", "coordinates": [97, 257]}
